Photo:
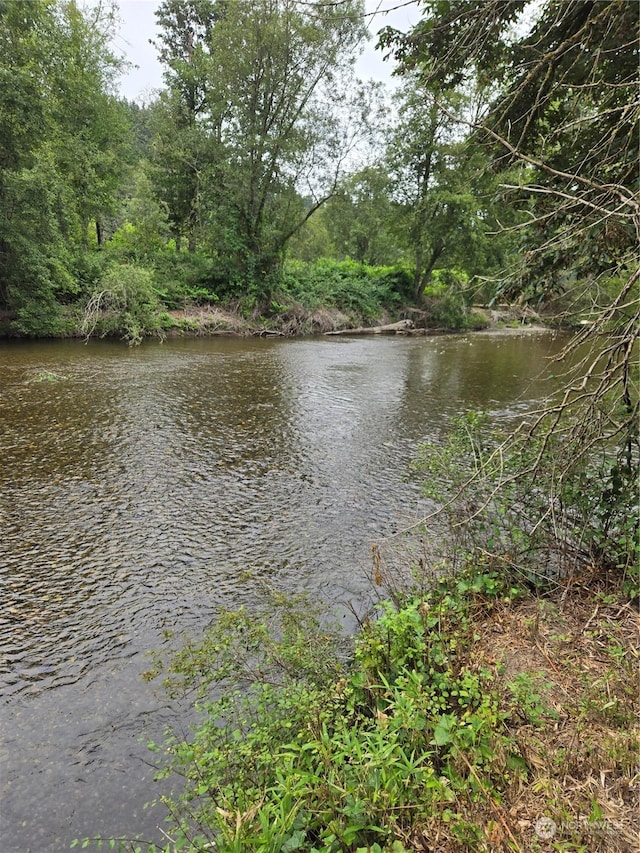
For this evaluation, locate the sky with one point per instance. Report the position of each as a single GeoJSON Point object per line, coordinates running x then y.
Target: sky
{"type": "Point", "coordinates": [138, 26]}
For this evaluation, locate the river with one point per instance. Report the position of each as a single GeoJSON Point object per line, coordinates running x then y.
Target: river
{"type": "Point", "coordinates": [143, 488]}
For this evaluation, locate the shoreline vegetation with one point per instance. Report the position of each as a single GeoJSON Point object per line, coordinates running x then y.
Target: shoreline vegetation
{"type": "Point", "coordinates": [472, 713]}
{"type": "Point", "coordinates": [334, 298]}
{"type": "Point", "coordinates": [218, 321]}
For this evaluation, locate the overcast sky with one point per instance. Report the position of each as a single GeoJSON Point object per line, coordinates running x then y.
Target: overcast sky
{"type": "Point", "coordinates": [138, 26]}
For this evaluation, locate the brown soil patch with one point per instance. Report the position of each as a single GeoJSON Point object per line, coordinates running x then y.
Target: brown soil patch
{"type": "Point", "coordinates": [578, 653]}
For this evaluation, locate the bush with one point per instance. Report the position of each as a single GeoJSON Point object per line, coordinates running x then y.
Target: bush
{"type": "Point", "coordinates": [184, 278]}
{"type": "Point", "coordinates": [125, 304]}
{"type": "Point", "coordinates": [542, 509]}
{"type": "Point", "coordinates": [361, 292]}
{"type": "Point", "coordinates": [303, 753]}
{"type": "Point", "coordinates": [445, 311]}
{"type": "Point", "coordinates": [425, 731]}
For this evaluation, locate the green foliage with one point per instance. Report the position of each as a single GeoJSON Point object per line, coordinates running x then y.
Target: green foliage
{"type": "Point", "coordinates": [125, 304]}
{"type": "Point", "coordinates": [443, 191]}
{"type": "Point", "coordinates": [145, 231]}
{"type": "Point", "coordinates": [184, 279]}
{"type": "Point", "coordinates": [446, 311]}
{"type": "Point", "coordinates": [360, 219]}
{"type": "Point", "coordinates": [527, 690]}
{"type": "Point", "coordinates": [62, 139]}
{"type": "Point", "coordinates": [363, 293]}
{"type": "Point", "coordinates": [243, 126]}
{"type": "Point", "coordinates": [572, 160]}
{"type": "Point", "coordinates": [532, 502]}
{"type": "Point", "coordinates": [299, 753]}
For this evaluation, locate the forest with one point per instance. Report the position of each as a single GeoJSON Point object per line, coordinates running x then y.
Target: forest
{"type": "Point", "coordinates": [265, 178]}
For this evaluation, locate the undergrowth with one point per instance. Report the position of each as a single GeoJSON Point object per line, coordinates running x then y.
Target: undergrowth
{"type": "Point", "coordinates": [471, 717]}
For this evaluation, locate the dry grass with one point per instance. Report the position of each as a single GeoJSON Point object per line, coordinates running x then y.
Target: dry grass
{"type": "Point", "coordinates": [578, 653]}
{"type": "Point", "coordinates": [212, 320]}
{"type": "Point", "coordinates": [208, 320]}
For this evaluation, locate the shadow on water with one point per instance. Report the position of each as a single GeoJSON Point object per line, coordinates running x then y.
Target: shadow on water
{"type": "Point", "coordinates": [142, 489]}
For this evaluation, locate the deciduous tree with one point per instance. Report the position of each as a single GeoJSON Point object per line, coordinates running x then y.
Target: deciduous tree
{"type": "Point", "coordinates": [271, 104]}
{"type": "Point", "coordinates": [564, 112]}
{"type": "Point", "coordinates": [61, 141]}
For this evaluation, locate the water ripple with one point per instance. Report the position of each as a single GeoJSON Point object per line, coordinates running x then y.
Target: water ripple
{"type": "Point", "coordinates": [140, 490]}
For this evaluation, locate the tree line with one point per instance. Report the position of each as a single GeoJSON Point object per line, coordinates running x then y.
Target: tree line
{"type": "Point", "coordinates": [502, 168]}
{"type": "Point", "coordinates": [261, 147]}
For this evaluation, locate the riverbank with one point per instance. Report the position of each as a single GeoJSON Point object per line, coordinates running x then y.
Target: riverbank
{"type": "Point", "coordinates": [490, 703]}
{"type": "Point", "coordinates": [477, 716]}
{"type": "Point", "coordinates": [213, 320]}
{"type": "Point", "coordinates": [229, 321]}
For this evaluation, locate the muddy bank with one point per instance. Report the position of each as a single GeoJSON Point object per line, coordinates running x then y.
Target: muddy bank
{"type": "Point", "coordinates": [214, 320]}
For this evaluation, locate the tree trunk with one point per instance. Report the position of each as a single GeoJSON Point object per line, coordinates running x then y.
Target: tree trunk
{"type": "Point", "coordinates": [389, 329]}
{"type": "Point", "coordinates": [425, 275]}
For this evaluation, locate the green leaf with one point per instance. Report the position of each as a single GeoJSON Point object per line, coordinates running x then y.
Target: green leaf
{"type": "Point", "coordinates": [295, 841]}
{"type": "Point", "coordinates": [442, 734]}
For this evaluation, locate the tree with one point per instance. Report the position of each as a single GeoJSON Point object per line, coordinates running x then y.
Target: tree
{"type": "Point", "coordinates": [25, 204]}
{"type": "Point", "coordinates": [442, 187]}
{"type": "Point", "coordinates": [60, 164]}
{"type": "Point", "coordinates": [180, 131]}
{"type": "Point", "coordinates": [179, 152]}
{"type": "Point", "coordinates": [263, 78]}
{"type": "Point", "coordinates": [565, 115]}
{"type": "Point", "coordinates": [145, 230]}
{"type": "Point", "coordinates": [360, 218]}
{"type": "Point", "coordinates": [91, 125]}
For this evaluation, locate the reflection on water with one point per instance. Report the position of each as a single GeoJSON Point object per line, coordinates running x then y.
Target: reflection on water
{"type": "Point", "coordinates": [141, 489]}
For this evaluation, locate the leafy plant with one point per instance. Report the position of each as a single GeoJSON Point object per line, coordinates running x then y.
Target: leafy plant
{"type": "Point", "coordinates": [362, 292]}
{"type": "Point", "coordinates": [522, 503]}
{"type": "Point", "coordinates": [126, 304]}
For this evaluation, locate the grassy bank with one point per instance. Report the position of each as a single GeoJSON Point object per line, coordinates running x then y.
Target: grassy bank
{"type": "Point", "coordinates": [472, 716]}
{"type": "Point", "coordinates": [488, 703]}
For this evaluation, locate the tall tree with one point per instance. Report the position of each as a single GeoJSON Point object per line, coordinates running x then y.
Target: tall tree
{"type": "Point", "coordinates": [59, 134]}
{"type": "Point", "coordinates": [565, 110]}
{"type": "Point", "coordinates": [180, 135]}
{"type": "Point", "coordinates": [25, 125]}
{"type": "Point", "coordinates": [442, 187]}
{"type": "Point", "coordinates": [269, 107]}
{"type": "Point", "coordinates": [92, 129]}
{"type": "Point", "coordinates": [180, 149]}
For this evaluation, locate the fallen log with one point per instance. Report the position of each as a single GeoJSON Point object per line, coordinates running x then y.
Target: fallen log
{"type": "Point", "coordinates": [403, 326]}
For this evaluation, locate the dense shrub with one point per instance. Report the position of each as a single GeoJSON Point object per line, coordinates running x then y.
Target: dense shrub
{"type": "Point", "coordinates": [125, 303]}
{"type": "Point", "coordinates": [361, 292]}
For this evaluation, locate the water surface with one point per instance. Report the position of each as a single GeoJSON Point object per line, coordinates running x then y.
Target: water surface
{"type": "Point", "coordinates": [141, 489]}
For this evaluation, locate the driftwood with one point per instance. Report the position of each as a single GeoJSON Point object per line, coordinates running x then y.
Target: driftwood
{"type": "Point", "coordinates": [403, 326]}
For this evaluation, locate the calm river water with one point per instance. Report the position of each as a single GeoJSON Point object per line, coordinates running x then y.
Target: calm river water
{"type": "Point", "coordinates": [138, 488]}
